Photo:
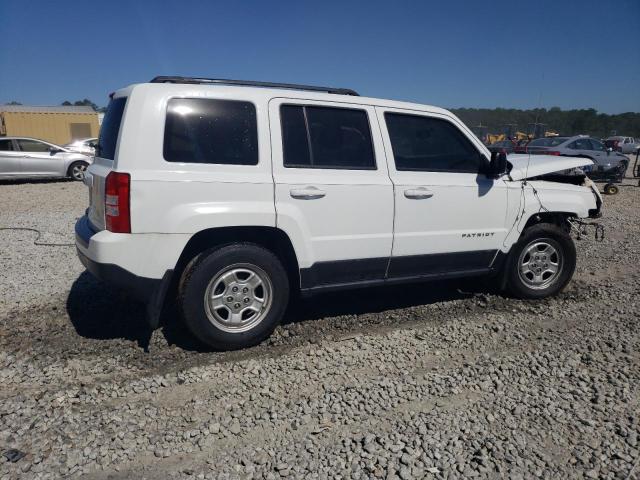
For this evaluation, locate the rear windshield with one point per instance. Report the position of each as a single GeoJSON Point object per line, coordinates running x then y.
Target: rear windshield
{"type": "Point", "coordinates": [110, 128]}
{"type": "Point", "coordinates": [547, 142]}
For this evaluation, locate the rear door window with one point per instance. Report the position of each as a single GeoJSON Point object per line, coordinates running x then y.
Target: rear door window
{"type": "Point", "coordinates": [213, 131]}
{"type": "Point", "coordinates": [110, 128]}
{"type": "Point", "coordinates": [326, 137]}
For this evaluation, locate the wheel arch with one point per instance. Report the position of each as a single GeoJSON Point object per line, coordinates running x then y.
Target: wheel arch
{"type": "Point", "coordinates": [558, 219]}
{"type": "Point", "coordinates": [271, 238]}
{"type": "Point", "coordinates": [555, 218]}
{"type": "Point", "coordinates": [72, 162]}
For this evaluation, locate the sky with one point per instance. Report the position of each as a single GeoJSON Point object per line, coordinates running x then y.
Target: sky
{"type": "Point", "coordinates": [449, 53]}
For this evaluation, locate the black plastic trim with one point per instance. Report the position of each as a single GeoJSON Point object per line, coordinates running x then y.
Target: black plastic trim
{"type": "Point", "coordinates": [435, 264]}
{"type": "Point", "coordinates": [395, 281]}
{"type": "Point", "coordinates": [84, 231]}
{"type": "Point", "coordinates": [141, 288]}
{"type": "Point", "coordinates": [252, 83]}
{"type": "Point", "coordinates": [344, 274]}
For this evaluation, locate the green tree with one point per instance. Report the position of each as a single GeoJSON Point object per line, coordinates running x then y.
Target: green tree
{"type": "Point", "coordinates": [566, 122]}
{"type": "Point", "coordinates": [83, 103]}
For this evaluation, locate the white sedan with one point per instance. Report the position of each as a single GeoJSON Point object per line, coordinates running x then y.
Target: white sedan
{"type": "Point", "coordinates": [83, 145]}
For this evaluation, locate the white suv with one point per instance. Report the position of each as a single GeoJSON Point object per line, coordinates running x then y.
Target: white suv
{"type": "Point", "coordinates": [235, 194]}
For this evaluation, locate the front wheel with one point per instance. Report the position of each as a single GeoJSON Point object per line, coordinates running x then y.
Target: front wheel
{"type": "Point", "coordinates": [76, 170]}
{"type": "Point", "coordinates": [234, 296]}
{"type": "Point", "coordinates": [541, 263]}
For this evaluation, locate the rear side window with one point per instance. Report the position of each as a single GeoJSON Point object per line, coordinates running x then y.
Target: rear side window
{"type": "Point", "coordinates": [211, 131]}
{"type": "Point", "coordinates": [110, 128]}
{"type": "Point", "coordinates": [6, 146]}
{"type": "Point", "coordinates": [326, 137]}
{"type": "Point", "coordinates": [547, 142]}
{"type": "Point", "coordinates": [581, 144]}
{"type": "Point", "coordinates": [430, 144]}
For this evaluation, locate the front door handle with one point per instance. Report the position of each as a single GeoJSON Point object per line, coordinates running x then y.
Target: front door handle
{"type": "Point", "coordinates": [307, 193]}
{"type": "Point", "coordinates": [418, 193]}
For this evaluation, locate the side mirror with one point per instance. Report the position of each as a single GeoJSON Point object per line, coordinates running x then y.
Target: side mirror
{"type": "Point", "coordinates": [54, 150]}
{"type": "Point", "coordinates": [498, 165]}
{"type": "Point", "coordinates": [609, 150]}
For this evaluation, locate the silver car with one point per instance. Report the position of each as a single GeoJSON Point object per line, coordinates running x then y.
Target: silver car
{"type": "Point", "coordinates": [627, 145]}
{"type": "Point", "coordinates": [609, 165]}
{"type": "Point", "coordinates": [83, 145]}
{"type": "Point", "coordinates": [22, 157]}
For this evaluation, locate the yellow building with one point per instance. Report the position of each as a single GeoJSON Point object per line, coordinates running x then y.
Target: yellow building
{"type": "Point", "coordinates": [57, 125]}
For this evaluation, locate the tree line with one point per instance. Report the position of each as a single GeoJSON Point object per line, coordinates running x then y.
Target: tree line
{"type": "Point", "coordinates": [565, 122]}
{"type": "Point", "coordinates": [78, 103]}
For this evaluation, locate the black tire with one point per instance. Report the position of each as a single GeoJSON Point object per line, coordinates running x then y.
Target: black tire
{"type": "Point", "coordinates": [71, 172]}
{"type": "Point", "coordinates": [196, 286]}
{"type": "Point", "coordinates": [556, 238]}
{"type": "Point", "coordinates": [611, 189]}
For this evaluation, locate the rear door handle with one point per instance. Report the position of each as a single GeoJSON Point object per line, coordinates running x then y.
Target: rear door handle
{"type": "Point", "coordinates": [307, 193]}
{"type": "Point", "coordinates": [418, 193]}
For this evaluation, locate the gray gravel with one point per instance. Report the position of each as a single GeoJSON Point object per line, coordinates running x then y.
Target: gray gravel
{"type": "Point", "coordinates": [424, 381]}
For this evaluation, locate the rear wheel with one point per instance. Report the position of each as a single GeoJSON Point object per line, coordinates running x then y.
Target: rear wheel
{"type": "Point", "coordinates": [542, 263]}
{"type": "Point", "coordinates": [234, 296]}
{"type": "Point", "coordinates": [76, 170]}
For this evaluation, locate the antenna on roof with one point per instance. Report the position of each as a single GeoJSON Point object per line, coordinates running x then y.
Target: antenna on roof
{"type": "Point", "coordinates": [250, 83]}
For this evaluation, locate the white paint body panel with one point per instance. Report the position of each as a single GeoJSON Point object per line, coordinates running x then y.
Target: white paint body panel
{"type": "Point", "coordinates": [356, 218]}
{"type": "Point", "coordinates": [458, 204]}
{"type": "Point", "coordinates": [523, 203]}
{"type": "Point", "coordinates": [353, 220]}
{"type": "Point", "coordinates": [147, 255]}
{"type": "Point", "coordinates": [529, 166]}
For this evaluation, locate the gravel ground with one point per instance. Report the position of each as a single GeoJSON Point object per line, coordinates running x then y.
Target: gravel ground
{"type": "Point", "coordinates": [436, 380]}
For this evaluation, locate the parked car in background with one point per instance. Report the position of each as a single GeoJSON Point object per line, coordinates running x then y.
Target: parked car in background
{"type": "Point", "coordinates": [505, 146]}
{"type": "Point", "coordinates": [29, 157]}
{"type": "Point", "coordinates": [544, 144]}
{"type": "Point", "coordinates": [521, 146]}
{"type": "Point", "coordinates": [608, 165]}
{"type": "Point", "coordinates": [83, 145]}
{"type": "Point", "coordinates": [627, 145]}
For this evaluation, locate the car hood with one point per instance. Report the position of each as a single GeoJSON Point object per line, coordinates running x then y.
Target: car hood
{"type": "Point", "coordinates": [528, 166]}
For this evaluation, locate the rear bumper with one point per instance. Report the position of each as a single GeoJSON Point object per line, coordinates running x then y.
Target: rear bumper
{"type": "Point", "coordinates": [141, 288]}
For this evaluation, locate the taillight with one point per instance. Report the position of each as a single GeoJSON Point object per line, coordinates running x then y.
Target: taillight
{"type": "Point", "coordinates": [117, 213]}
{"type": "Point", "coordinates": [551, 152]}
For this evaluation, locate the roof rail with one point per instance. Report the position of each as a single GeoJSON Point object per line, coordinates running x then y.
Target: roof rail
{"type": "Point", "coordinates": [249, 83]}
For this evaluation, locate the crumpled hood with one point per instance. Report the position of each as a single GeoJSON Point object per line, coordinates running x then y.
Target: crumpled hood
{"type": "Point", "coordinates": [528, 166]}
